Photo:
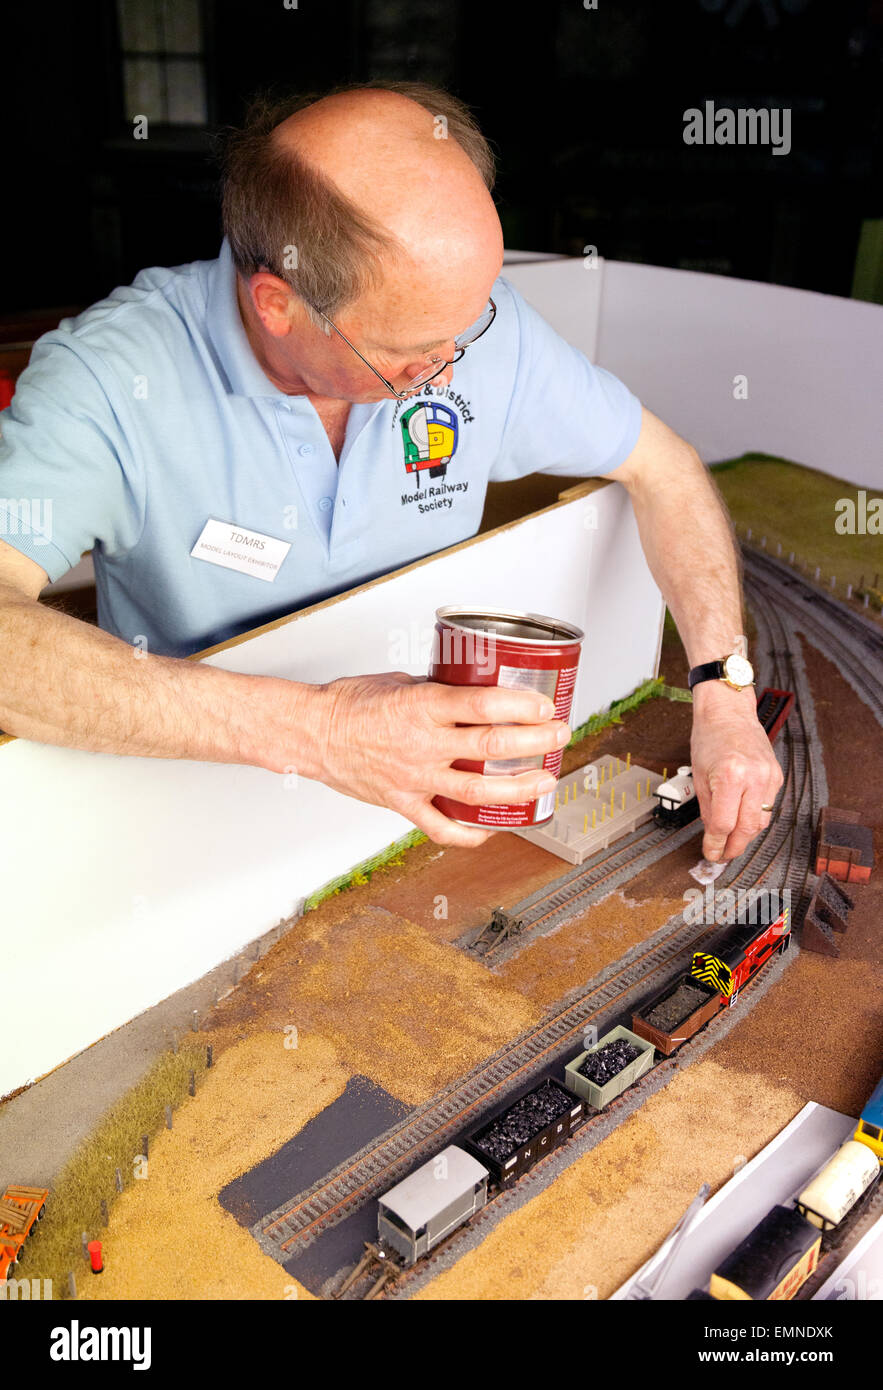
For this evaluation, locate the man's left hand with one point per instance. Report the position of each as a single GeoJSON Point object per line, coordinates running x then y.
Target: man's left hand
{"type": "Point", "coordinates": [735, 771]}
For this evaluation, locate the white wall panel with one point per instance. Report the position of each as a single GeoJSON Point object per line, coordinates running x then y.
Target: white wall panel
{"type": "Point", "coordinates": [567, 294]}
{"type": "Point", "coordinates": [814, 364]}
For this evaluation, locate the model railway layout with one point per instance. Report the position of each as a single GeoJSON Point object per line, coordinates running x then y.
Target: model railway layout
{"type": "Point", "coordinates": [855, 645]}
{"type": "Point", "coordinates": [458, 1160]}
{"type": "Point", "coordinates": [782, 855]}
{"type": "Point", "coordinates": [512, 1071]}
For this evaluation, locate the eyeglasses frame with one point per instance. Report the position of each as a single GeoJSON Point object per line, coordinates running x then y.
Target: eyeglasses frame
{"type": "Point", "coordinates": [413, 390]}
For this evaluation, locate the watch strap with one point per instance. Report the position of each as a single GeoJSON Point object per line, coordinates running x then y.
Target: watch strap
{"type": "Point", "coordinates": [711, 671]}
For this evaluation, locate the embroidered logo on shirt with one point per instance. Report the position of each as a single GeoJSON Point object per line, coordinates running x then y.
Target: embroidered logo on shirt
{"type": "Point", "coordinates": [429, 436]}
{"type": "Point", "coordinates": [430, 433]}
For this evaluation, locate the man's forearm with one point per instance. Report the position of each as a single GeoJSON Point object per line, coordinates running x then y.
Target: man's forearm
{"type": "Point", "coordinates": [688, 541]}
{"type": "Point", "coordinates": [65, 682]}
{"type": "Point", "coordinates": [689, 545]}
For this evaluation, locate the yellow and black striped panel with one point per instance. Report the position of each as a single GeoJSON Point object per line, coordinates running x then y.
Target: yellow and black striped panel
{"type": "Point", "coordinates": [712, 971]}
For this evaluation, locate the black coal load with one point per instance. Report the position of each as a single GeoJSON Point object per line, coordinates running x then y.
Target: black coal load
{"type": "Point", "coordinates": [527, 1117]}
{"type": "Point", "coordinates": [608, 1061]}
{"type": "Point", "coordinates": [685, 1000]}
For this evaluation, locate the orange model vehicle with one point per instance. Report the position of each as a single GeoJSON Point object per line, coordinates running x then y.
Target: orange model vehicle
{"type": "Point", "coordinates": [20, 1209]}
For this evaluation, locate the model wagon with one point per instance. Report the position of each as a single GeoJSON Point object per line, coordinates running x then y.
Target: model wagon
{"type": "Point", "coordinates": [675, 1013]}
{"type": "Point", "coordinates": [431, 1202]}
{"type": "Point", "coordinates": [526, 1131]}
{"type": "Point", "coordinates": [599, 1095]}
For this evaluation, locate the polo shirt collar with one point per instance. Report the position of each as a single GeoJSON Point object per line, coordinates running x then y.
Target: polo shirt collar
{"type": "Point", "coordinates": [227, 333]}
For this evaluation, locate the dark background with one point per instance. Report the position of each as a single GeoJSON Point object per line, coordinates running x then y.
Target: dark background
{"type": "Point", "coordinates": [585, 109]}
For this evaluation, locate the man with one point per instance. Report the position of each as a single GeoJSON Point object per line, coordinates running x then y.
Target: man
{"type": "Point", "coordinates": [219, 410]}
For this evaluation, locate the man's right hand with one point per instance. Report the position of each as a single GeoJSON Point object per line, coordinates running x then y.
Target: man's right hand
{"type": "Point", "coordinates": [390, 739]}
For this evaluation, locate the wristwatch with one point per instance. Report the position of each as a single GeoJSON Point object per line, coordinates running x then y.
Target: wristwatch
{"type": "Point", "coordinates": [735, 670]}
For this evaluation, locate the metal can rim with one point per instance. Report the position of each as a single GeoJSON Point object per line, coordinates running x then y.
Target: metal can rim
{"type": "Point", "coordinates": [571, 632]}
{"type": "Point", "coordinates": [479, 825]}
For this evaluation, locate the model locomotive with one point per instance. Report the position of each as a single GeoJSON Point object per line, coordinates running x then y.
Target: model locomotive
{"type": "Point", "coordinates": [714, 981]}
{"type": "Point", "coordinates": [870, 1126]}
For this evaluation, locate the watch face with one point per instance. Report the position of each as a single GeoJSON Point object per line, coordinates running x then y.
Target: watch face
{"type": "Point", "coordinates": [738, 670]}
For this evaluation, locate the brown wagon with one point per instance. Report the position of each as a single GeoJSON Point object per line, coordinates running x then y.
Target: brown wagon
{"type": "Point", "coordinates": [678, 1011]}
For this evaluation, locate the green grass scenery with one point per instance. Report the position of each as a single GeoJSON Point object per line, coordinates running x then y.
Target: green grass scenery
{"type": "Point", "coordinates": [795, 507]}
{"type": "Point", "coordinates": [390, 857]}
{"type": "Point", "coordinates": [54, 1248]}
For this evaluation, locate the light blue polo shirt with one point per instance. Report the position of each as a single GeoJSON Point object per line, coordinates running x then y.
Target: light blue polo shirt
{"type": "Point", "coordinates": [148, 415]}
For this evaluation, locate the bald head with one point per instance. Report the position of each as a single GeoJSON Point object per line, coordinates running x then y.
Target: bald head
{"type": "Point", "coordinates": [380, 151]}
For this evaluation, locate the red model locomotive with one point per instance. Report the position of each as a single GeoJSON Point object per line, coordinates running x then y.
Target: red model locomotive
{"type": "Point", "coordinates": [741, 954]}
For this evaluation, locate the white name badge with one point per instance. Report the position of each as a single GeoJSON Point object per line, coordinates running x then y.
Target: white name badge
{"type": "Point", "coordinates": [249, 552]}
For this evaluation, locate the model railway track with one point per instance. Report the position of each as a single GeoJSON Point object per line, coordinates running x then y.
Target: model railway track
{"type": "Point", "coordinates": [848, 639]}
{"type": "Point", "coordinates": [805, 788]}
{"type": "Point", "coordinates": [785, 850]}
{"type": "Point", "coordinates": [579, 889]}
{"type": "Point", "coordinates": [377, 1167]}
{"type": "Point", "coordinates": [576, 893]}
{"type": "Point", "coordinates": [537, 1178]}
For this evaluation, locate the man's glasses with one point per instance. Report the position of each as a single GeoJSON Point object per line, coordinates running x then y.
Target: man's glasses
{"type": "Point", "coordinates": [435, 366]}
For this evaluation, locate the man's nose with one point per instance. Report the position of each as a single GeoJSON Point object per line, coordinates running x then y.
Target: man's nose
{"type": "Point", "coordinates": [425, 366]}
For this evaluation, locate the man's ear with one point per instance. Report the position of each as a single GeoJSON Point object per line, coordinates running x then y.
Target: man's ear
{"type": "Point", "coordinates": [274, 302]}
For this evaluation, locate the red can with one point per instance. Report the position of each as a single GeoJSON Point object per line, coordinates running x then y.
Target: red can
{"type": "Point", "coordinates": [518, 651]}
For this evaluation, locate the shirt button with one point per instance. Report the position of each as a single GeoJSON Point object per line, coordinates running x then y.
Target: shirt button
{"type": "Point", "coordinates": [324, 504]}
{"type": "Point", "coordinates": [306, 449]}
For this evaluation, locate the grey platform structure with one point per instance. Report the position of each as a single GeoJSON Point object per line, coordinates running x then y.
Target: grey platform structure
{"type": "Point", "coordinates": [594, 805]}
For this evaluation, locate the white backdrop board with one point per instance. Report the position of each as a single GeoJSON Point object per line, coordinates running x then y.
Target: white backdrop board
{"type": "Point", "coordinates": [812, 364]}
{"type": "Point", "coordinates": [125, 879]}
{"type": "Point", "coordinates": [568, 295]}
